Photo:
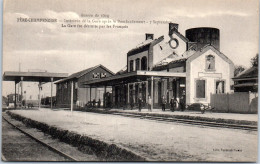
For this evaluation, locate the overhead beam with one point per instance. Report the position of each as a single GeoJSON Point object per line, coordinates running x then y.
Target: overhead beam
{"type": "Point", "coordinates": [161, 74]}
{"type": "Point", "coordinates": [33, 76]}
{"type": "Point", "coordinates": [138, 74]}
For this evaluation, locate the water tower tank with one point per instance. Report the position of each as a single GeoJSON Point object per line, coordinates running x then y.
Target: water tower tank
{"type": "Point", "coordinates": [204, 36]}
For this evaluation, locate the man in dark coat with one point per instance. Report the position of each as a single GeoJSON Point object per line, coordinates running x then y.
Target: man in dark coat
{"type": "Point", "coordinates": [94, 103]}
{"type": "Point", "coordinates": [131, 102]}
{"type": "Point", "coordinates": [173, 103]}
{"type": "Point", "coordinates": [140, 102]}
{"type": "Point", "coordinates": [163, 103]}
{"type": "Point", "coordinates": [149, 103]}
{"type": "Point", "coordinates": [99, 102]}
{"type": "Point", "coordinates": [182, 103]}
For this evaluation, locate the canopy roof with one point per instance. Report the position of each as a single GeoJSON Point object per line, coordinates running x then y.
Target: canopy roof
{"type": "Point", "coordinates": [247, 74]}
{"type": "Point", "coordinates": [33, 76]}
{"type": "Point", "coordinates": [246, 85]}
{"type": "Point", "coordinates": [83, 72]}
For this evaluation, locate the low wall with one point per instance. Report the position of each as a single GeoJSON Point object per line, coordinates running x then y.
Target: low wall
{"type": "Point", "coordinates": [238, 102]}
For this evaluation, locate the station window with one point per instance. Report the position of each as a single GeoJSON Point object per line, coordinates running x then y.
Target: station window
{"type": "Point", "coordinates": [200, 89]}
{"type": "Point", "coordinates": [76, 85]}
{"type": "Point", "coordinates": [103, 75]}
{"type": "Point", "coordinates": [210, 63]}
{"type": "Point", "coordinates": [220, 87]}
{"type": "Point", "coordinates": [137, 64]}
{"type": "Point", "coordinates": [144, 63]}
{"type": "Point", "coordinates": [131, 65]}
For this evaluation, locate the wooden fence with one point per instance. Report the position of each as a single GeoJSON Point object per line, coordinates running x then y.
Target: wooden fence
{"type": "Point", "coordinates": [238, 102]}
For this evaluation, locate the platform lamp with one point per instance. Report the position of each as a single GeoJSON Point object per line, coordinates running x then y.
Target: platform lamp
{"type": "Point", "coordinates": [40, 88]}
{"type": "Point", "coordinates": [24, 99]}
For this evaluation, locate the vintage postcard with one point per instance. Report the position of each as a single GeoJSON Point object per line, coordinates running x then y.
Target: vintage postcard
{"type": "Point", "coordinates": [129, 80]}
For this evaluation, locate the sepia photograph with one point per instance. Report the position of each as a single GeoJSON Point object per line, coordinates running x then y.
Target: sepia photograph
{"type": "Point", "coordinates": [130, 81]}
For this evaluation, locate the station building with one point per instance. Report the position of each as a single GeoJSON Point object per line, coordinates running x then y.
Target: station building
{"type": "Point", "coordinates": [189, 68]}
{"type": "Point", "coordinates": [81, 95]}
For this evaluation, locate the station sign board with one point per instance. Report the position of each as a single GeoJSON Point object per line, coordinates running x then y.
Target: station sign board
{"type": "Point", "coordinates": [99, 75]}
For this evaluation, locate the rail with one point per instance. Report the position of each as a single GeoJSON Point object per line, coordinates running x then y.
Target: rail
{"type": "Point", "coordinates": [41, 142]}
{"type": "Point", "coordinates": [192, 122]}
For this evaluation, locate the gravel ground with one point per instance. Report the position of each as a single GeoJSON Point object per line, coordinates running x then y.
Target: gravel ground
{"type": "Point", "coordinates": [18, 147]}
{"type": "Point", "coordinates": [155, 140]}
{"type": "Point", "coordinates": [61, 146]}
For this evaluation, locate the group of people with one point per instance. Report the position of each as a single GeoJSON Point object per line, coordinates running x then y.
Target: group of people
{"type": "Point", "coordinates": [94, 103]}
{"type": "Point", "coordinates": [174, 103]}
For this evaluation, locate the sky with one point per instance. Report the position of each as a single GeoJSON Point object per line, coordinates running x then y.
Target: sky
{"type": "Point", "coordinates": [51, 47]}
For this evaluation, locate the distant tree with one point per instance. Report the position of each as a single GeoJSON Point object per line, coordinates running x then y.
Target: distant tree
{"type": "Point", "coordinates": [254, 61]}
{"type": "Point", "coordinates": [238, 69]}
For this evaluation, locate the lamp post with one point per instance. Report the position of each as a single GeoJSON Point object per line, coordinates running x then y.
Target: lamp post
{"type": "Point", "coordinates": [40, 88]}
{"type": "Point", "coordinates": [71, 103]}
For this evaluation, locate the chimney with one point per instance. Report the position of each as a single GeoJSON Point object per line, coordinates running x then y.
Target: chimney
{"type": "Point", "coordinates": [148, 36]}
{"type": "Point", "coordinates": [173, 27]}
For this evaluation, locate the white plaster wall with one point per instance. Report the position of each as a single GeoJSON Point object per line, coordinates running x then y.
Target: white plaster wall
{"type": "Point", "coordinates": [83, 95]}
{"type": "Point", "coordinates": [157, 54]}
{"type": "Point", "coordinates": [182, 45]}
{"type": "Point", "coordinates": [198, 65]}
{"type": "Point", "coordinates": [166, 49]}
{"type": "Point", "coordinates": [134, 57]}
{"type": "Point", "coordinates": [32, 90]}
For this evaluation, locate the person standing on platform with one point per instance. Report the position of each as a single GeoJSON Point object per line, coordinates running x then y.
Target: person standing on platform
{"type": "Point", "coordinates": [23, 104]}
{"type": "Point", "coordinates": [149, 103]}
{"type": "Point", "coordinates": [172, 104]}
{"type": "Point", "coordinates": [182, 103]}
{"type": "Point", "coordinates": [94, 103]}
{"type": "Point", "coordinates": [163, 103]}
{"type": "Point", "coordinates": [99, 103]}
{"type": "Point", "coordinates": [131, 102]}
{"type": "Point", "coordinates": [176, 103]}
{"type": "Point", "coordinates": [140, 101]}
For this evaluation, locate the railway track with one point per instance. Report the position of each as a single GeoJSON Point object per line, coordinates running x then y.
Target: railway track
{"type": "Point", "coordinates": [186, 121]}
{"type": "Point", "coordinates": [53, 149]}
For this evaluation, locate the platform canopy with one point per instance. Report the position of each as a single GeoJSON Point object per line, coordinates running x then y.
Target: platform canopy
{"type": "Point", "coordinates": [41, 77]}
{"type": "Point", "coordinates": [132, 77]}
{"type": "Point", "coordinates": [33, 76]}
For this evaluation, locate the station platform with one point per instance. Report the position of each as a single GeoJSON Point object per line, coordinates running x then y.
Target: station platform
{"type": "Point", "coordinates": [149, 140]}
{"type": "Point", "coordinates": [235, 118]}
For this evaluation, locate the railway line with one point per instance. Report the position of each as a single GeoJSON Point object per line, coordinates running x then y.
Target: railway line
{"type": "Point", "coordinates": [187, 121]}
{"type": "Point", "coordinates": [56, 155]}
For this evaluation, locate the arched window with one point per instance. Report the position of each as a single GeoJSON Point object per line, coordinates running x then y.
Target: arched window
{"type": "Point", "coordinates": [220, 86]}
{"type": "Point", "coordinates": [144, 63]}
{"type": "Point", "coordinates": [131, 65]}
{"type": "Point", "coordinates": [137, 64]}
{"type": "Point", "coordinates": [210, 62]}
